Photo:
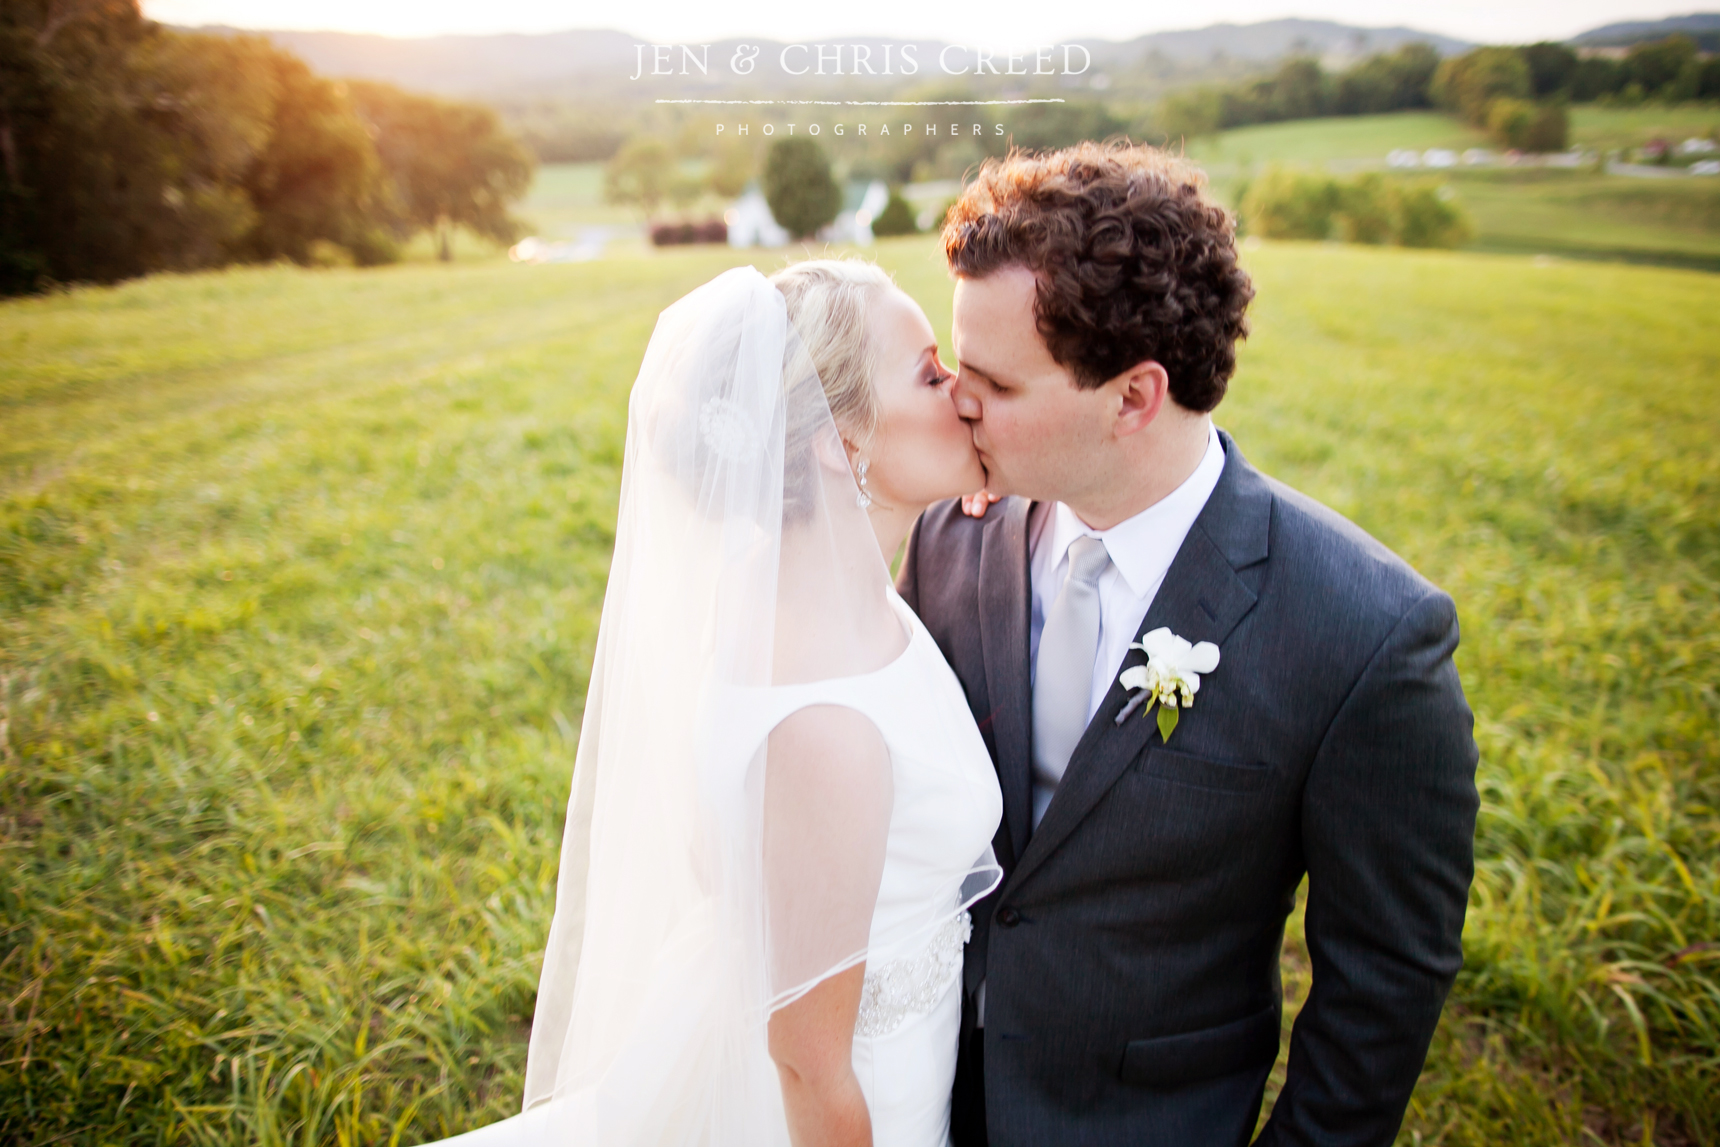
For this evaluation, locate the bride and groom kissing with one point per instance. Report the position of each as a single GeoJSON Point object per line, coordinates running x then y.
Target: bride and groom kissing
{"type": "Point", "coordinates": [1000, 852]}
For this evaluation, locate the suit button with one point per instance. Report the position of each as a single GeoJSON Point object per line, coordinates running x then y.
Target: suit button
{"type": "Point", "coordinates": [1008, 917]}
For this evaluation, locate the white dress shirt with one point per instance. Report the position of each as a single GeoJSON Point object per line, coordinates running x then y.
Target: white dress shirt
{"type": "Point", "coordinates": [1141, 549]}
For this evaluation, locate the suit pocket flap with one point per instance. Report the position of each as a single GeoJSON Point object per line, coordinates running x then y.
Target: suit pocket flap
{"type": "Point", "coordinates": [1188, 769]}
{"type": "Point", "coordinates": [1171, 1061]}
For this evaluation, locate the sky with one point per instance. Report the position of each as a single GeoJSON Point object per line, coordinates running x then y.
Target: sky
{"type": "Point", "coordinates": [1013, 25]}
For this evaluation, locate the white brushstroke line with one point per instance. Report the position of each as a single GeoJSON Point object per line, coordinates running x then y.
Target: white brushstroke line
{"type": "Point", "coordinates": [867, 103]}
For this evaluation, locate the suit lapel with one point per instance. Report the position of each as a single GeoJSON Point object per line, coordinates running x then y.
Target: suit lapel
{"type": "Point", "coordinates": [1005, 605]}
{"type": "Point", "coordinates": [1202, 599]}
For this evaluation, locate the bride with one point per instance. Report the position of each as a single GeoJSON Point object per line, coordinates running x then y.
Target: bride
{"type": "Point", "coordinates": [782, 807]}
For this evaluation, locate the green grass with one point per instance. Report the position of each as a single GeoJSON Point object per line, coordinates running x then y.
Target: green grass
{"type": "Point", "coordinates": [1575, 214]}
{"type": "Point", "coordinates": [1340, 140]}
{"type": "Point", "coordinates": [1584, 215]}
{"type": "Point", "coordinates": [566, 197]}
{"type": "Point", "coordinates": [1604, 128]}
{"type": "Point", "coordinates": [299, 578]}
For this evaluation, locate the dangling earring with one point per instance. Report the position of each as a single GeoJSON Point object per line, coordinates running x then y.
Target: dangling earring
{"type": "Point", "coordinates": [864, 500]}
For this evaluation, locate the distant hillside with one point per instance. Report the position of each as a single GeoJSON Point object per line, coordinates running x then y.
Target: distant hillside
{"type": "Point", "coordinates": [1703, 27]}
{"type": "Point", "coordinates": [1274, 39]}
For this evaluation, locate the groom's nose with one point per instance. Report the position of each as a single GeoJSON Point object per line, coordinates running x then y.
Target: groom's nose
{"type": "Point", "coordinates": [967, 404]}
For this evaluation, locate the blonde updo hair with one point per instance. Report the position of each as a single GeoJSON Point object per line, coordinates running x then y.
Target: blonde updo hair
{"type": "Point", "coordinates": [828, 303]}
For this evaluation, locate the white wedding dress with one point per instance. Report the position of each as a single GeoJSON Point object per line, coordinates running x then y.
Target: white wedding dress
{"type": "Point", "coordinates": [946, 809]}
{"type": "Point", "coordinates": [778, 777]}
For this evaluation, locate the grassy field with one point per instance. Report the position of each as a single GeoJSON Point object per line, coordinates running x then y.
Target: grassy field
{"type": "Point", "coordinates": [1571, 213]}
{"type": "Point", "coordinates": [299, 579]}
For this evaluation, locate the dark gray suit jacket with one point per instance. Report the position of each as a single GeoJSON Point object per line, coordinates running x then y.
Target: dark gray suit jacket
{"type": "Point", "coordinates": [1131, 952]}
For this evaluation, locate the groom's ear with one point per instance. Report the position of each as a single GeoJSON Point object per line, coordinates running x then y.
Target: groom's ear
{"type": "Point", "coordinates": [1142, 392]}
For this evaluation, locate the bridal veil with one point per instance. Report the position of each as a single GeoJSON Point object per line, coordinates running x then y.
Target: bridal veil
{"type": "Point", "coordinates": [711, 873]}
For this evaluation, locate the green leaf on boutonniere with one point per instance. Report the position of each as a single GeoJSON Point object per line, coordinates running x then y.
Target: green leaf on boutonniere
{"type": "Point", "coordinates": [1168, 715]}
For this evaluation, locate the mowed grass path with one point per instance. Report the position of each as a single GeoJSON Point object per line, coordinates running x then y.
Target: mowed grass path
{"type": "Point", "coordinates": [299, 579]}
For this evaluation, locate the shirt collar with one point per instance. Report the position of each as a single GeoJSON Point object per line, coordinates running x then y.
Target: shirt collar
{"type": "Point", "coordinates": [1143, 547]}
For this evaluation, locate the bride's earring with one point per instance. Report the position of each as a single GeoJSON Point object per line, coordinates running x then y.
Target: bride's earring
{"type": "Point", "coordinates": [864, 500]}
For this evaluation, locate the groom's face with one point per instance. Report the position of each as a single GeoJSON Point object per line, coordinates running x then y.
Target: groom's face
{"type": "Point", "coordinates": [1037, 433]}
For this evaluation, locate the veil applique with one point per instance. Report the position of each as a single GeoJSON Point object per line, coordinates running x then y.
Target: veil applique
{"type": "Point", "coordinates": [714, 869]}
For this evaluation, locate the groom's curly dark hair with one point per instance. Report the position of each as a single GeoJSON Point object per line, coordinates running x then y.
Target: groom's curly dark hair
{"type": "Point", "coordinates": [1133, 261]}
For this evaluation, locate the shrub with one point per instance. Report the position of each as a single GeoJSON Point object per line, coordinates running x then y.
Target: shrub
{"type": "Point", "coordinates": [802, 193]}
{"type": "Point", "coordinates": [1509, 121]}
{"type": "Point", "coordinates": [1284, 204]}
{"type": "Point", "coordinates": [1365, 212]}
{"type": "Point", "coordinates": [674, 234]}
{"type": "Point", "coordinates": [1527, 126]}
{"type": "Point", "coordinates": [897, 218]}
{"type": "Point", "coordinates": [1550, 131]}
{"type": "Point", "coordinates": [1426, 218]}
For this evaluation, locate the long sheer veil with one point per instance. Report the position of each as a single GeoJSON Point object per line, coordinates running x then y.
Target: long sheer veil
{"type": "Point", "coordinates": [710, 874]}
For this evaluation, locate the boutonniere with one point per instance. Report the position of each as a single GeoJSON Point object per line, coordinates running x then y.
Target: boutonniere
{"type": "Point", "coordinates": [1170, 677]}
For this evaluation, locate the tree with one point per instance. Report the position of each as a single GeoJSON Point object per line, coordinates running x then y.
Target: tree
{"type": "Point", "coordinates": [88, 144]}
{"type": "Point", "coordinates": [449, 164]}
{"type": "Point", "coordinates": [1708, 87]}
{"type": "Point", "coordinates": [1552, 67]}
{"type": "Point", "coordinates": [732, 169]}
{"type": "Point", "coordinates": [318, 176]}
{"type": "Point", "coordinates": [639, 174]}
{"type": "Point", "coordinates": [1387, 82]}
{"type": "Point", "coordinates": [1658, 64]}
{"type": "Point", "coordinates": [1595, 77]}
{"type": "Point", "coordinates": [802, 193]}
{"type": "Point", "coordinates": [1467, 84]}
{"type": "Point", "coordinates": [897, 218]}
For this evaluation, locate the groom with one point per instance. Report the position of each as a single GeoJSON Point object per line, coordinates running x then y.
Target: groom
{"type": "Point", "coordinates": [1122, 983]}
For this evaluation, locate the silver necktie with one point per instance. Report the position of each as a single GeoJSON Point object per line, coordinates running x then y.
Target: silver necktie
{"type": "Point", "coordinates": [1063, 676]}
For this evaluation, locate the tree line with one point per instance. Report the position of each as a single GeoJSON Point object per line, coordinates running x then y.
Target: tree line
{"type": "Point", "coordinates": [127, 148]}
{"type": "Point", "coordinates": [1535, 80]}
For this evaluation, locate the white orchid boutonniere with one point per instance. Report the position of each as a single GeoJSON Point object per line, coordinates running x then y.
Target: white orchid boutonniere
{"type": "Point", "coordinates": [1170, 677]}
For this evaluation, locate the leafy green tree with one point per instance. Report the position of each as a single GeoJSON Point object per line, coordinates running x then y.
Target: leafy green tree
{"type": "Point", "coordinates": [1552, 67]}
{"type": "Point", "coordinates": [798, 184]}
{"type": "Point", "coordinates": [1387, 82]}
{"type": "Point", "coordinates": [448, 164]}
{"type": "Point", "coordinates": [1595, 77]}
{"type": "Point", "coordinates": [897, 218]}
{"type": "Point", "coordinates": [1658, 64]}
{"type": "Point", "coordinates": [1708, 86]}
{"type": "Point", "coordinates": [1056, 125]}
{"type": "Point", "coordinates": [318, 176]}
{"type": "Point", "coordinates": [639, 174]}
{"type": "Point", "coordinates": [1469, 83]}
{"type": "Point", "coordinates": [101, 176]}
{"type": "Point", "coordinates": [732, 169]}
